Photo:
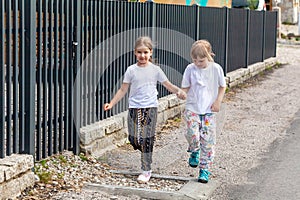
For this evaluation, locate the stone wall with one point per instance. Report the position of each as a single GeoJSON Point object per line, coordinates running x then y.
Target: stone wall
{"type": "Point", "coordinates": [15, 175]}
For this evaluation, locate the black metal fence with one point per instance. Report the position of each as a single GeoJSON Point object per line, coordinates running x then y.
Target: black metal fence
{"type": "Point", "coordinates": [61, 60]}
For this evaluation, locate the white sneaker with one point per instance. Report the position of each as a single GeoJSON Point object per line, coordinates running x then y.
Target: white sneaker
{"type": "Point", "coordinates": [144, 177]}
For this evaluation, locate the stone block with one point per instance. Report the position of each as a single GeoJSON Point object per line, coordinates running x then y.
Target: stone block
{"type": "Point", "coordinates": [234, 75]}
{"type": "Point", "coordinates": [100, 146]}
{"type": "Point", "coordinates": [15, 164]}
{"type": "Point", "coordinates": [92, 132]}
{"type": "Point", "coordinates": [113, 124]}
{"type": "Point", "coordinates": [172, 112]}
{"type": "Point", "coordinates": [160, 118]}
{"type": "Point", "coordinates": [173, 101]}
{"type": "Point", "coordinates": [163, 104]}
{"type": "Point", "coordinates": [2, 173]}
{"type": "Point", "coordinates": [13, 188]}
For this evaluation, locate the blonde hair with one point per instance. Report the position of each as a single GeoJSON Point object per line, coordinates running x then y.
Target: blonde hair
{"type": "Point", "coordinates": [202, 49]}
{"type": "Point", "coordinates": [144, 41]}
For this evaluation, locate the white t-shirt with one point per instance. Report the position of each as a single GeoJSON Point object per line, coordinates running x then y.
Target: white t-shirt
{"type": "Point", "coordinates": [204, 85]}
{"type": "Point", "coordinates": [143, 83]}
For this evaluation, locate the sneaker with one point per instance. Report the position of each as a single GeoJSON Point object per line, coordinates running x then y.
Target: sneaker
{"type": "Point", "coordinates": [144, 177]}
{"type": "Point", "coordinates": [203, 176]}
{"type": "Point", "coordinates": [194, 159]}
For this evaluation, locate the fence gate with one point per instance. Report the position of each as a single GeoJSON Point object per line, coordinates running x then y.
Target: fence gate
{"type": "Point", "coordinates": [57, 56]}
{"type": "Point", "coordinates": [39, 58]}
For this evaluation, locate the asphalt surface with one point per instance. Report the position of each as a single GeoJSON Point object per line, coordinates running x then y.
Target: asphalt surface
{"type": "Point", "coordinates": [278, 178]}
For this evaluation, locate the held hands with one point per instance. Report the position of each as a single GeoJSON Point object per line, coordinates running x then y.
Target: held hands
{"type": "Point", "coordinates": [107, 106]}
{"type": "Point", "coordinates": [181, 94]}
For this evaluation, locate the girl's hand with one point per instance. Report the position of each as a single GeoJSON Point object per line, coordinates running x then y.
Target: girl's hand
{"type": "Point", "coordinates": [181, 94]}
{"type": "Point", "coordinates": [107, 106]}
{"type": "Point", "coordinates": [215, 107]}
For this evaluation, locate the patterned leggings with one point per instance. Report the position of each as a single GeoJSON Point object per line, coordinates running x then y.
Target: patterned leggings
{"type": "Point", "coordinates": [201, 135]}
{"type": "Point", "coordinates": [141, 129]}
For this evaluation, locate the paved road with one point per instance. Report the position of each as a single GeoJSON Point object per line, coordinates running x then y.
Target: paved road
{"type": "Point", "coordinates": [279, 176]}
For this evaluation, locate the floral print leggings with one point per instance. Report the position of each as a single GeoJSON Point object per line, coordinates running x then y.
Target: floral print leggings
{"type": "Point", "coordinates": [201, 135]}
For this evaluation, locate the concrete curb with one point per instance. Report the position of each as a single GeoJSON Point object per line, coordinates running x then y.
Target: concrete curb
{"type": "Point", "coordinates": [192, 190]}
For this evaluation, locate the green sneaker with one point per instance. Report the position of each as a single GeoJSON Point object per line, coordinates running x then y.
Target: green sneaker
{"type": "Point", "coordinates": [203, 176]}
{"type": "Point", "coordinates": [194, 159]}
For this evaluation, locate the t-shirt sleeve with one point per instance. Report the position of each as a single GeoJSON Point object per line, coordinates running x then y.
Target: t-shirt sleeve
{"type": "Point", "coordinates": [186, 82]}
{"type": "Point", "coordinates": [127, 76]}
{"type": "Point", "coordinates": [222, 81]}
{"type": "Point", "coordinates": [161, 76]}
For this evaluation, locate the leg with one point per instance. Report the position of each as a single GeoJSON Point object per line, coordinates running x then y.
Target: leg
{"type": "Point", "coordinates": [149, 118]}
{"type": "Point", "coordinates": [192, 134]}
{"type": "Point", "coordinates": [133, 128]}
{"type": "Point", "coordinates": [207, 143]}
{"type": "Point", "coordinates": [193, 137]}
{"type": "Point", "coordinates": [207, 140]}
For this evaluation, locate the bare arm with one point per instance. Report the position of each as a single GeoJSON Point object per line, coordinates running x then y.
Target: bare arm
{"type": "Point", "coordinates": [118, 96]}
{"type": "Point", "coordinates": [174, 89]}
{"type": "Point", "coordinates": [215, 107]}
{"type": "Point", "coordinates": [186, 90]}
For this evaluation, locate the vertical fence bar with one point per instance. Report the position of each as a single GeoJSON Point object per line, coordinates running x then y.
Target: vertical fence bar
{"type": "Point", "coordinates": [16, 67]}
{"type": "Point", "coordinates": [22, 77]}
{"type": "Point", "coordinates": [45, 78]}
{"type": "Point", "coordinates": [264, 35]}
{"type": "Point", "coordinates": [50, 81]}
{"type": "Point", "coordinates": [2, 83]}
{"type": "Point", "coordinates": [61, 70]}
{"type": "Point", "coordinates": [98, 41]}
{"type": "Point", "coordinates": [8, 78]}
{"type": "Point", "coordinates": [90, 63]}
{"type": "Point", "coordinates": [71, 76]}
{"type": "Point", "coordinates": [39, 81]}
{"type": "Point", "coordinates": [77, 114]}
{"type": "Point", "coordinates": [247, 37]}
{"type": "Point", "coordinates": [93, 72]}
{"type": "Point", "coordinates": [275, 36]}
{"type": "Point", "coordinates": [66, 74]}
{"type": "Point", "coordinates": [85, 63]}
{"type": "Point", "coordinates": [225, 58]}
{"type": "Point", "coordinates": [55, 77]}
{"type": "Point", "coordinates": [30, 60]}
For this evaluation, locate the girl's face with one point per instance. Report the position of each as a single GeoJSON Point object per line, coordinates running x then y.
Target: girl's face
{"type": "Point", "coordinates": [201, 62]}
{"type": "Point", "coordinates": [143, 54]}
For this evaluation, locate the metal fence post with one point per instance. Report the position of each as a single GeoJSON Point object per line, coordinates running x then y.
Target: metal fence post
{"type": "Point", "coordinates": [247, 38]}
{"type": "Point", "coordinates": [226, 42]}
{"type": "Point", "coordinates": [30, 77]}
{"type": "Point", "coordinates": [2, 81]}
{"type": "Point", "coordinates": [76, 66]}
{"type": "Point", "coordinates": [264, 35]}
{"type": "Point", "coordinates": [197, 32]}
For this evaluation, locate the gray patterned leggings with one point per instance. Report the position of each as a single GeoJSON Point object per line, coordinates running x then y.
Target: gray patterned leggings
{"type": "Point", "coordinates": [141, 129]}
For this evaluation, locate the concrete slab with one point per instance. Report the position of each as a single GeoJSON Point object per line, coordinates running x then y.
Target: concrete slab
{"type": "Point", "coordinates": [192, 190]}
{"type": "Point", "coordinates": [196, 190]}
{"type": "Point", "coordinates": [143, 193]}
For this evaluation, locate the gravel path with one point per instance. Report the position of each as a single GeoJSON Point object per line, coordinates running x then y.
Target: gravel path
{"type": "Point", "coordinates": [254, 114]}
{"type": "Point", "coordinates": [255, 117]}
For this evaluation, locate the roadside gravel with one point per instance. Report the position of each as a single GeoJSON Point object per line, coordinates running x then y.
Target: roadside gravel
{"type": "Point", "coordinates": [254, 115]}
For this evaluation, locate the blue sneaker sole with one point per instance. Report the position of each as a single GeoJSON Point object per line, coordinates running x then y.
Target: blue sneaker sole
{"type": "Point", "coordinates": [193, 166]}
{"type": "Point", "coordinates": [202, 181]}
